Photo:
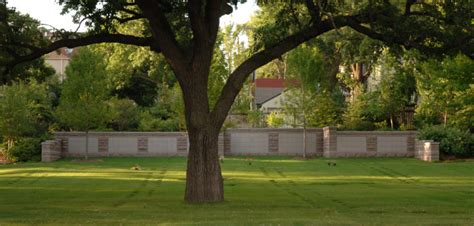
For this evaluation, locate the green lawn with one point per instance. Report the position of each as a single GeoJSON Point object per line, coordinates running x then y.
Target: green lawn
{"type": "Point", "coordinates": [270, 191]}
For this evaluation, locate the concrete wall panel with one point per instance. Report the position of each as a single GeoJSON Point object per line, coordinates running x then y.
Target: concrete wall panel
{"type": "Point", "coordinates": [392, 144]}
{"type": "Point", "coordinates": [292, 143]}
{"type": "Point", "coordinates": [163, 145]}
{"type": "Point", "coordinates": [122, 145]}
{"type": "Point", "coordinates": [252, 143]}
{"type": "Point", "coordinates": [351, 144]}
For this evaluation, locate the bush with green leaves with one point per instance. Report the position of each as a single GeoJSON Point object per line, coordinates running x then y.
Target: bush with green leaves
{"type": "Point", "coordinates": [26, 149]}
{"type": "Point", "coordinates": [150, 122]}
{"type": "Point", "coordinates": [446, 91]}
{"type": "Point", "coordinates": [123, 114]}
{"type": "Point", "coordinates": [255, 118]}
{"type": "Point", "coordinates": [25, 111]}
{"type": "Point", "coordinates": [453, 142]}
{"type": "Point", "coordinates": [275, 119]}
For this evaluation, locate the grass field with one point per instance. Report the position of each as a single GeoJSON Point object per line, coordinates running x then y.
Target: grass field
{"type": "Point", "coordinates": [270, 191]}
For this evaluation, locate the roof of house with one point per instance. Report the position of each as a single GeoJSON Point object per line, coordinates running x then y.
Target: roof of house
{"type": "Point", "coordinates": [267, 88]}
{"type": "Point", "coordinates": [270, 82]}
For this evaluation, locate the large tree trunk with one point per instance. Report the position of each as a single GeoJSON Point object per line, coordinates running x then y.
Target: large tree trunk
{"type": "Point", "coordinates": [203, 177]}
{"type": "Point", "coordinates": [204, 182]}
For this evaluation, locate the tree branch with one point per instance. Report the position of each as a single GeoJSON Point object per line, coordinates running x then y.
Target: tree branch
{"type": "Point", "coordinates": [354, 24]}
{"type": "Point", "coordinates": [408, 5]}
{"type": "Point", "coordinates": [127, 19]}
{"type": "Point", "coordinates": [314, 10]}
{"type": "Point", "coordinates": [165, 36]}
{"type": "Point", "coordinates": [93, 39]}
{"type": "Point", "coordinates": [237, 78]}
{"type": "Point", "coordinates": [23, 45]}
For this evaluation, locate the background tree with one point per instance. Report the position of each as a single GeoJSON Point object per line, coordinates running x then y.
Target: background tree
{"type": "Point", "coordinates": [20, 34]}
{"type": "Point", "coordinates": [185, 32]}
{"type": "Point", "coordinates": [445, 88]}
{"type": "Point", "coordinates": [124, 114]}
{"type": "Point", "coordinates": [359, 55]}
{"type": "Point", "coordinates": [24, 108]}
{"type": "Point", "coordinates": [82, 103]}
{"type": "Point", "coordinates": [391, 90]}
{"type": "Point", "coordinates": [309, 100]}
{"type": "Point", "coordinates": [397, 87]}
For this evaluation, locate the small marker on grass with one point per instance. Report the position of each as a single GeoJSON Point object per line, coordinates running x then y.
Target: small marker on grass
{"type": "Point", "coordinates": [136, 167]}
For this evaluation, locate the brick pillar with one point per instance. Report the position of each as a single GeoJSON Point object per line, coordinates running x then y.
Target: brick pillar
{"type": "Point", "coordinates": [411, 145]}
{"type": "Point", "coordinates": [319, 143]}
{"type": "Point", "coordinates": [64, 145]}
{"type": "Point", "coordinates": [273, 140]}
{"type": "Point", "coordinates": [330, 141]}
{"type": "Point", "coordinates": [220, 144]}
{"type": "Point", "coordinates": [427, 150]}
{"type": "Point", "coordinates": [142, 144]}
{"type": "Point", "coordinates": [182, 145]}
{"type": "Point", "coordinates": [431, 151]}
{"type": "Point", "coordinates": [227, 139]}
{"type": "Point", "coordinates": [59, 146]}
{"type": "Point", "coordinates": [103, 144]}
{"type": "Point", "coordinates": [372, 145]}
{"type": "Point", "coordinates": [50, 151]}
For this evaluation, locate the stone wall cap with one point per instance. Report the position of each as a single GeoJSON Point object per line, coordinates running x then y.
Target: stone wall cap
{"type": "Point", "coordinates": [119, 133]}
{"type": "Point", "coordinates": [376, 132]}
{"type": "Point", "coordinates": [266, 130]}
{"type": "Point", "coordinates": [49, 142]}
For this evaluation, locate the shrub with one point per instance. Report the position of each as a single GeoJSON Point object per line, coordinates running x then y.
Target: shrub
{"type": "Point", "coordinates": [358, 124]}
{"type": "Point", "coordinates": [149, 123]}
{"type": "Point", "coordinates": [26, 149]}
{"type": "Point", "coordinates": [275, 119]}
{"type": "Point", "coordinates": [453, 142]}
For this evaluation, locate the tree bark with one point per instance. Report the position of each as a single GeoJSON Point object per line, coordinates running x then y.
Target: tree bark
{"type": "Point", "coordinates": [204, 182]}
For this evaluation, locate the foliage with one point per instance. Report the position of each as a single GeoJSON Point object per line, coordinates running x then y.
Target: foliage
{"type": "Point", "coordinates": [228, 54]}
{"type": "Point", "coordinates": [84, 92]}
{"type": "Point", "coordinates": [232, 46]}
{"type": "Point", "coordinates": [25, 149]}
{"type": "Point", "coordinates": [358, 55]}
{"type": "Point", "coordinates": [134, 72]}
{"type": "Point", "coordinates": [167, 113]}
{"type": "Point", "coordinates": [312, 98]}
{"type": "Point", "coordinates": [20, 35]}
{"type": "Point", "coordinates": [256, 118]}
{"type": "Point", "coordinates": [360, 114]}
{"type": "Point", "coordinates": [446, 91]}
{"type": "Point", "coordinates": [123, 114]}
{"type": "Point", "coordinates": [275, 119]}
{"type": "Point", "coordinates": [219, 72]}
{"type": "Point", "coordinates": [24, 111]}
{"type": "Point", "coordinates": [149, 122]}
{"type": "Point", "coordinates": [391, 90]}
{"type": "Point", "coordinates": [396, 87]}
{"type": "Point", "coordinates": [453, 142]}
